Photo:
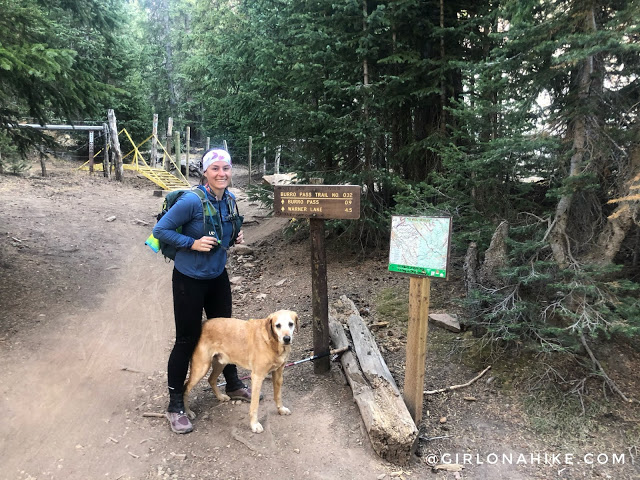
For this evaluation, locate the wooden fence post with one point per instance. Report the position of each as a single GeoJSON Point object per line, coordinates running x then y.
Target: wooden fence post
{"type": "Point", "coordinates": [208, 142]}
{"type": "Point", "coordinates": [277, 162]}
{"type": "Point", "coordinates": [250, 143]}
{"type": "Point", "coordinates": [90, 151]}
{"type": "Point", "coordinates": [186, 152]}
{"type": "Point", "coordinates": [166, 162]}
{"type": "Point", "coordinates": [176, 141]}
{"type": "Point", "coordinates": [154, 142]}
{"type": "Point", "coordinates": [115, 145]}
{"type": "Point", "coordinates": [106, 169]}
{"type": "Point", "coordinates": [264, 157]}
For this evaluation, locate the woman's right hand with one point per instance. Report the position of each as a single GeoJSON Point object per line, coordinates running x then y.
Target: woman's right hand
{"type": "Point", "coordinates": [204, 244]}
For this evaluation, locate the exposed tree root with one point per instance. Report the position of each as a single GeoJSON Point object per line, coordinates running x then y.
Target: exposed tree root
{"type": "Point", "coordinates": [606, 377]}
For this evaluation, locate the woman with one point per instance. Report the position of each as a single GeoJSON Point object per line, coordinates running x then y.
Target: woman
{"type": "Point", "coordinates": [200, 280]}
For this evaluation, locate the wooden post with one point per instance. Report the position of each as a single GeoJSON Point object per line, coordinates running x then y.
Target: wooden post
{"type": "Point", "coordinates": [176, 141]}
{"type": "Point", "coordinates": [208, 143]}
{"type": "Point", "coordinates": [106, 169]}
{"type": "Point", "coordinates": [115, 145]}
{"type": "Point", "coordinates": [166, 162]}
{"type": "Point", "coordinates": [319, 296]}
{"type": "Point", "coordinates": [186, 152]}
{"type": "Point", "coordinates": [154, 142]}
{"type": "Point", "coordinates": [416, 356]}
{"type": "Point", "coordinates": [264, 156]}
{"type": "Point", "coordinates": [43, 165]}
{"type": "Point", "coordinates": [277, 162]}
{"type": "Point", "coordinates": [90, 151]}
{"type": "Point", "coordinates": [250, 143]}
{"type": "Point", "coordinates": [330, 201]}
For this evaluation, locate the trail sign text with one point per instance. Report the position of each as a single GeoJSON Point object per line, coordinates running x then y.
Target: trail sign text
{"type": "Point", "coordinates": [317, 201]}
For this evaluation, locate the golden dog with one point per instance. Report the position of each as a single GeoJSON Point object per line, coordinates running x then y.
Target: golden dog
{"type": "Point", "coordinates": [260, 345]}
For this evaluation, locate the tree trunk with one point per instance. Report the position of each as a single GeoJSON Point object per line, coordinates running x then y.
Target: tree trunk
{"type": "Point", "coordinates": [558, 238]}
{"type": "Point", "coordinates": [365, 98]}
{"type": "Point", "coordinates": [622, 219]}
{"type": "Point", "coordinates": [168, 49]}
{"type": "Point", "coordinates": [443, 83]}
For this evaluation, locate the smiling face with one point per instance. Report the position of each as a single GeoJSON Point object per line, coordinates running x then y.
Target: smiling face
{"type": "Point", "coordinates": [283, 324]}
{"type": "Point", "coordinates": [218, 176]}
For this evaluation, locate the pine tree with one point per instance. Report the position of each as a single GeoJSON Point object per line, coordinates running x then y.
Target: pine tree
{"type": "Point", "coordinates": [53, 63]}
{"type": "Point", "coordinates": [567, 88]}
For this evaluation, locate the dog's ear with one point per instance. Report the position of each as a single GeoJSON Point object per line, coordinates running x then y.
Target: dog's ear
{"type": "Point", "coordinates": [297, 321]}
{"type": "Point", "coordinates": [269, 326]}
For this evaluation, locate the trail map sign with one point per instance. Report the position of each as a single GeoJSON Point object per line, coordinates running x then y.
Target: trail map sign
{"type": "Point", "coordinates": [317, 201]}
{"type": "Point", "coordinates": [420, 245]}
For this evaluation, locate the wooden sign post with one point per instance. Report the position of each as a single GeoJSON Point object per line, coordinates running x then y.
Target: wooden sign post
{"type": "Point", "coordinates": [419, 247]}
{"type": "Point", "coordinates": [318, 203]}
{"type": "Point", "coordinates": [416, 354]}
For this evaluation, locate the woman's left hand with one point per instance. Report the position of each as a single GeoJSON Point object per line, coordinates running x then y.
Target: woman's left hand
{"type": "Point", "coordinates": [240, 237]}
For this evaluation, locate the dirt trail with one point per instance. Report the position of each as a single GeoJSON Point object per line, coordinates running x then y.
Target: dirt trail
{"type": "Point", "coordinates": [78, 370]}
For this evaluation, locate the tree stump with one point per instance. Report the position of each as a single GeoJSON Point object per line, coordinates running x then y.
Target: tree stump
{"type": "Point", "coordinates": [495, 258]}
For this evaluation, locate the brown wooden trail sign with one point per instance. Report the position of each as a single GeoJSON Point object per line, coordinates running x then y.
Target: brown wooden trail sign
{"type": "Point", "coordinates": [318, 203]}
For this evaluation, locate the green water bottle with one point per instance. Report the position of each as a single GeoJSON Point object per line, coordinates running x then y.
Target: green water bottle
{"type": "Point", "coordinates": [153, 243]}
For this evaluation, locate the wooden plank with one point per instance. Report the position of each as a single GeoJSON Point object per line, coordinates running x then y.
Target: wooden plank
{"type": "Point", "coordinates": [419, 293]}
{"type": "Point", "coordinates": [320, 302]}
{"type": "Point", "coordinates": [317, 201]}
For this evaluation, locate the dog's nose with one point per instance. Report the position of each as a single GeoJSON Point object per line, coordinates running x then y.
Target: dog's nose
{"type": "Point", "coordinates": [286, 339]}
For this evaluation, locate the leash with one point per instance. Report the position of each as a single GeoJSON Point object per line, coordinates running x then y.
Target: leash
{"type": "Point", "coordinates": [335, 353]}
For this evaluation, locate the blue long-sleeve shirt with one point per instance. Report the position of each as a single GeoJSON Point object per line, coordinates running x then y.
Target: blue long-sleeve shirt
{"type": "Point", "coordinates": [187, 213]}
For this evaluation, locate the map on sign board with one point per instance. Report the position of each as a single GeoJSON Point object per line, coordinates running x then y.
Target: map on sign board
{"type": "Point", "coordinates": [420, 245]}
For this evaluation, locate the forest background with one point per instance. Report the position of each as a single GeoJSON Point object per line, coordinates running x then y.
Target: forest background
{"type": "Point", "coordinates": [519, 119]}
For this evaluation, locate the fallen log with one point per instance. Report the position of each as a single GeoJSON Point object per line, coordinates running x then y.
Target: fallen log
{"type": "Point", "coordinates": [391, 430]}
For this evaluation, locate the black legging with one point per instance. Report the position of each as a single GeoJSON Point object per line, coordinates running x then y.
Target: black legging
{"type": "Point", "coordinates": [190, 296]}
